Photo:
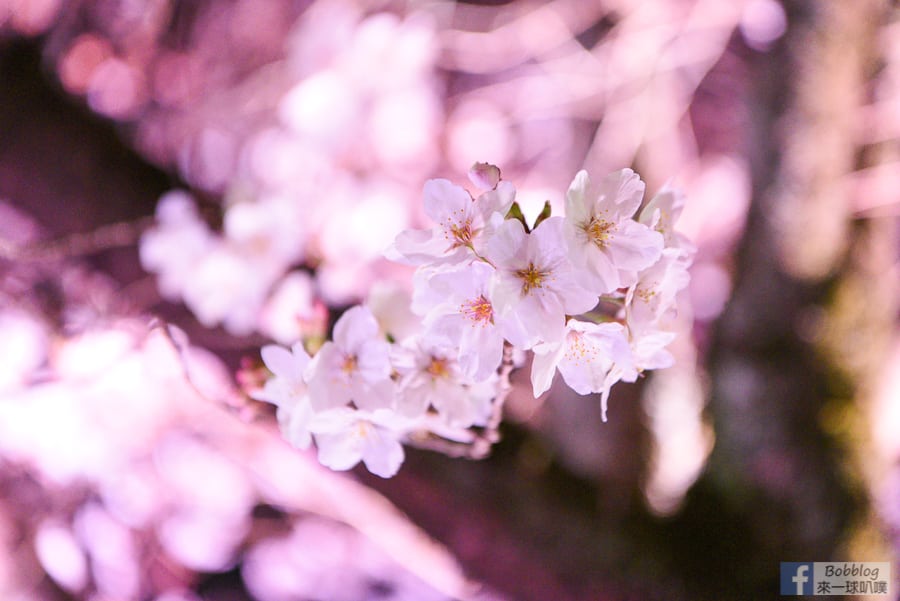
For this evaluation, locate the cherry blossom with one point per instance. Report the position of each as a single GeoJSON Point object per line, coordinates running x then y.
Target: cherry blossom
{"type": "Point", "coordinates": [287, 390]}
{"type": "Point", "coordinates": [589, 294]}
{"type": "Point", "coordinates": [353, 367]}
{"type": "Point", "coordinates": [661, 213]}
{"type": "Point", "coordinates": [464, 318]}
{"type": "Point", "coordinates": [431, 377]}
{"type": "Point", "coordinates": [173, 247]}
{"type": "Point", "coordinates": [605, 243]}
{"type": "Point", "coordinates": [462, 224]}
{"type": "Point", "coordinates": [345, 436]}
{"type": "Point", "coordinates": [534, 287]}
{"type": "Point", "coordinates": [591, 359]}
{"type": "Point", "coordinates": [654, 293]}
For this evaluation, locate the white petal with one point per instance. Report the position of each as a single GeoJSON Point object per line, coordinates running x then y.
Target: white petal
{"type": "Point", "coordinates": [496, 201]}
{"type": "Point", "coordinates": [379, 395]}
{"type": "Point", "coordinates": [296, 428]}
{"type": "Point", "coordinates": [415, 247]}
{"type": "Point", "coordinates": [635, 246]}
{"type": "Point", "coordinates": [373, 361]}
{"type": "Point", "coordinates": [579, 207]}
{"type": "Point", "coordinates": [280, 361]}
{"type": "Point", "coordinates": [620, 194]}
{"type": "Point", "coordinates": [354, 328]}
{"type": "Point", "coordinates": [382, 454]}
{"type": "Point", "coordinates": [543, 367]}
{"type": "Point", "coordinates": [506, 246]}
{"type": "Point", "coordinates": [339, 451]}
{"type": "Point", "coordinates": [480, 351]}
{"type": "Point", "coordinates": [444, 200]}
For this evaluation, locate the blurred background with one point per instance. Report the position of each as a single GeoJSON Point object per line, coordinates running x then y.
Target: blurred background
{"type": "Point", "coordinates": [132, 468]}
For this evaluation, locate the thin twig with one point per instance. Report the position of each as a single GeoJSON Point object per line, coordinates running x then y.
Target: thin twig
{"type": "Point", "coordinates": [105, 237]}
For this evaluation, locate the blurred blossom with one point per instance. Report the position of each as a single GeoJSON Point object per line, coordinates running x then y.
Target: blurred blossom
{"type": "Point", "coordinates": [222, 491]}
{"type": "Point", "coordinates": [79, 62]}
{"type": "Point", "coordinates": [61, 556]}
{"type": "Point", "coordinates": [325, 559]}
{"type": "Point", "coordinates": [762, 23]}
{"type": "Point", "coordinates": [886, 406]}
{"type": "Point", "coordinates": [292, 312]}
{"type": "Point", "coordinates": [30, 17]}
{"type": "Point", "coordinates": [205, 542]}
{"type": "Point", "coordinates": [719, 192]}
{"type": "Point", "coordinates": [23, 347]}
{"type": "Point", "coordinates": [710, 289]}
{"type": "Point", "coordinates": [210, 158]}
{"type": "Point", "coordinates": [115, 89]}
{"type": "Point", "coordinates": [112, 549]}
{"type": "Point", "coordinates": [478, 127]}
{"type": "Point", "coordinates": [674, 401]}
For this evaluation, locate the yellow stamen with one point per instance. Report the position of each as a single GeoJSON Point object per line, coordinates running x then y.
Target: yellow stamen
{"type": "Point", "coordinates": [478, 310]}
{"type": "Point", "coordinates": [645, 294]}
{"type": "Point", "coordinates": [599, 231]}
{"type": "Point", "coordinates": [349, 365]}
{"type": "Point", "coordinates": [531, 278]}
{"type": "Point", "coordinates": [438, 368]}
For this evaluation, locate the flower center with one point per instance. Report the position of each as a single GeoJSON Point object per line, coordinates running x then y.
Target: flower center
{"type": "Point", "coordinates": [458, 229]}
{"type": "Point", "coordinates": [438, 368]}
{"type": "Point", "coordinates": [645, 294]}
{"type": "Point", "coordinates": [478, 310]}
{"type": "Point", "coordinates": [599, 231]}
{"type": "Point", "coordinates": [462, 232]}
{"type": "Point", "coordinates": [580, 350]}
{"type": "Point", "coordinates": [363, 429]}
{"type": "Point", "coordinates": [349, 365]}
{"type": "Point", "coordinates": [531, 277]}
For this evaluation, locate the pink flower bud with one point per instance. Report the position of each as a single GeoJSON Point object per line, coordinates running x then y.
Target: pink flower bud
{"type": "Point", "coordinates": [484, 176]}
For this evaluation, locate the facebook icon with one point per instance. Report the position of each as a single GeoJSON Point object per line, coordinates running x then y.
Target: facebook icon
{"type": "Point", "coordinates": [796, 578]}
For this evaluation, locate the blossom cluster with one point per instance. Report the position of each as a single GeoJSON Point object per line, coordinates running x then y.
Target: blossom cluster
{"type": "Point", "coordinates": [350, 114]}
{"type": "Point", "coordinates": [587, 293]}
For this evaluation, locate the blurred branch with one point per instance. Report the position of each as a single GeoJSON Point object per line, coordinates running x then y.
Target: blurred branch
{"type": "Point", "coordinates": [105, 237]}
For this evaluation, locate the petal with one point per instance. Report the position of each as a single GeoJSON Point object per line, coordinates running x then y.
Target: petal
{"type": "Point", "coordinates": [543, 367]}
{"type": "Point", "coordinates": [296, 429]}
{"type": "Point", "coordinates": [579, 206]}
{"type": "Point", "coordinates": [354, 328]}
{"type": "Point", "coordinates": [373, 361]}
{"type": "Point", "coordinates": [505, 248]}
{"type": "Point", "coordinates": [480, 351]}
{"type": "Point", "coordinates": [382, 454]}
{"type": "Point", "coordinates": [663, 211]}
{"type": "Point", "coordinates": [339, 451]}
{"type": "Point", "coordinates": [635, 246]}
{"type": "Point", "coordinates": [543, 316]}
{"type": "Point", "coordinates": [496, 201]}
{"type": "Point", "coordinates": [506, 291]}
{"type": "Point", "coordinates": [484, 176]}
{"type": "Point", "coordinates": [546, 243]}
{"type": "Point", "coordinates": [327, 389]}
{"type": "Point", "coordinates": [444, 200]}
{"type": "Point", "coordinates": [620, 194]}
{"type": "Point", "coordinates": [280, 362]}
{"type": "Point", "coordinates": [415, 247]}
{"type": "Point", "coordinates": [379, 395]}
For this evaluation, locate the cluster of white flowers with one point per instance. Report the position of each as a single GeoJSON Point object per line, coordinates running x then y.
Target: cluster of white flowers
{"type": "Point", "coordinates": [486, 281]}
